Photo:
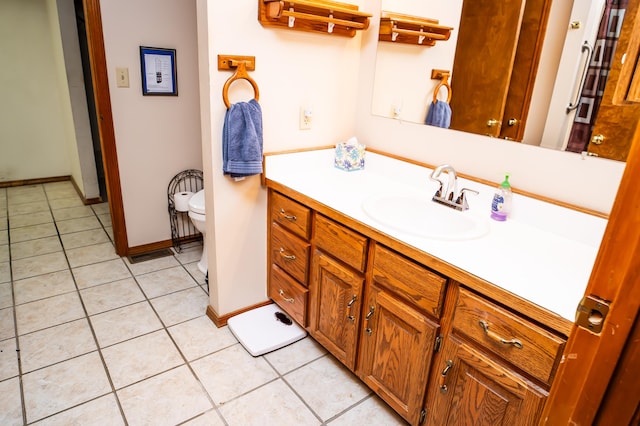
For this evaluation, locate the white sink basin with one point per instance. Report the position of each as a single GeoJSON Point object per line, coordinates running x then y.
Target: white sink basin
{"type": "Point", "coordinates": [417, 215]}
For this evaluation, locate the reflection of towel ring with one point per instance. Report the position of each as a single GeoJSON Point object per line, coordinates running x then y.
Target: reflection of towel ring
{"type": "Point", "coordinates": [241, 73]}
{"type": "Point", "coordinates": [443, 83]}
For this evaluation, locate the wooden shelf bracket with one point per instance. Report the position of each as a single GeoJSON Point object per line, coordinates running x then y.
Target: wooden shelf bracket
{"type": "Point", "coordinates": [322, 16]}
{"type": "Point", "coordinates": [400, 28]}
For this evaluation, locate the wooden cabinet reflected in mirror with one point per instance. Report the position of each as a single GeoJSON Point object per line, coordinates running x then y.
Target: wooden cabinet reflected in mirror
{"type": "Point", "coordinates": [512, 79]}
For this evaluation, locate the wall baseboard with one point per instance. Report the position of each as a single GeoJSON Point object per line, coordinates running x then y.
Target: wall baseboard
{"type": "Point", "coordinates": [24, 182]}
{"type": "Point", "coordinates": [221, 321]}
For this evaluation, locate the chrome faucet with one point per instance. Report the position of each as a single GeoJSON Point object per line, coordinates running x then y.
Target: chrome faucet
{"type": "Point", "coordinates": [448, 196]}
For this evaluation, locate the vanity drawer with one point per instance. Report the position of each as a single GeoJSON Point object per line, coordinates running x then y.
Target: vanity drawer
{"type": "Point", "coordinates": [290, 214]}
{"type": "Point", "coordinates": [525, 345]}
{"type": "Point", "coordinates": [288, 294]}
{"type": "Point", "coordinates": [344, 244]}
{"type": "Point", "coordinates": [409, 280]}
{"type": "Point", "coordinates": [290, 253]}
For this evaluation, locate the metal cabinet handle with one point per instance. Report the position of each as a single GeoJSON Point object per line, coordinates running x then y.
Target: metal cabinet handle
{"type": "Point", "coordinates": [368, 330]}
{"type": "Point", "coordinates": [286, 256]}
{"type": "Point", "coordinates": [351, 318]}
{"type": "Point", "coordinates": [513, 342]}
{"type": "Point", "coordinates": [443, 376]}
{"type": "Point", "coordinates": [289, 217]}
{"type": "Point", "coordinates": [286, 299]}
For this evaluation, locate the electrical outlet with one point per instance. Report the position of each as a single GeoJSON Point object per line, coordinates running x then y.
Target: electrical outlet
{"type": "Point", "coordinates": [306, 118]}
{"type": "Point", "coordinates": [122, 77]}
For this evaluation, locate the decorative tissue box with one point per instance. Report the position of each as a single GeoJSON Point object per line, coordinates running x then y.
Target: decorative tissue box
{"type": "Point", "coordinates": [349, 157]}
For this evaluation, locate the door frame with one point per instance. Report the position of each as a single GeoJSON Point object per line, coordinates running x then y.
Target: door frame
{"type": "Point", "coordinates": [99, 76]}
{"type": "Point", "coordinates": [590, 359]}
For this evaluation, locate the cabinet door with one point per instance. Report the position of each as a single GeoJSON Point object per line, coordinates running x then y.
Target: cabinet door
{"type": "Point", "coordinates": [396, 349]}
{"type": "Point", "coordinates": [471, 389]}
{"type": "Point", "coordinates": [334, 307]}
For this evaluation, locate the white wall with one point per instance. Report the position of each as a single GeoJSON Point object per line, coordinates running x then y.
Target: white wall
{"type": "Point", "coordinates": [34, 117]}
{"type": "Point", "coordinates": [156, 136]}
{"type": "Point", "coordinates": [293, 69]}
{"type": "Point", "coordinates": [591, 182]}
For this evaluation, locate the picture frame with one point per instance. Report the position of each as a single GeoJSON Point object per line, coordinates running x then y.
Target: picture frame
{"type": "Point", "coordinates": [159, 75]}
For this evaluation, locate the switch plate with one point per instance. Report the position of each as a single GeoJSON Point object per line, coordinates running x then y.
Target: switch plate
{"type": "Point", "coordinates": [306, 118]}
{"type": "Point", "coordinates": [122, 77]}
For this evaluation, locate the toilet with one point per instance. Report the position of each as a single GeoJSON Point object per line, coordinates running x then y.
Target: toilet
{"type": "Point", "coordinates": [197, 216]}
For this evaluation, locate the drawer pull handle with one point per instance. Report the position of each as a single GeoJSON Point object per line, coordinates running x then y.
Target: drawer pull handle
{"type": "Point", "coordinates": [286, 299]}
{"type": "Point", "coordinates": [368, 330]}
{"type": "Point", "coordinates": [289, 217]}
{"type": "Point", "coordinates": [350, 317]}
{"type": "Point", "coordinates": [286, 256]}
{"type": "Point", "coordinates": [513, 342]}
{"type": "Point", "coordinates": [443, 376]}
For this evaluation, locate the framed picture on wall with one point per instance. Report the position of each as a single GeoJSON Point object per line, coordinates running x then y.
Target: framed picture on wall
{"type": "Point", "coordinates": [158, 68]}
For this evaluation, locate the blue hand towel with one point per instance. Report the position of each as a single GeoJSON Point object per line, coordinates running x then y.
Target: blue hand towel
{"type": "Point", "coordinates": [242, 140]}
{"type": "Point", "coordinates": [439, 114]}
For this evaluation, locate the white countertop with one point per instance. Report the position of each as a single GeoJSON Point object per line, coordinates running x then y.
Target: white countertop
{"type": "Point", "coordinates": [543, 253]}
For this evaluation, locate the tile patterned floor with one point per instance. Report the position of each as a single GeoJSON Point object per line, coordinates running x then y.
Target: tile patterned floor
{"type": "Point", "coordinates": [88, 338]}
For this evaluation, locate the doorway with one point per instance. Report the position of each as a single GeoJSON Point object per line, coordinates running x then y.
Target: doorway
{"type": "Point", "coordinates": [88, 84]}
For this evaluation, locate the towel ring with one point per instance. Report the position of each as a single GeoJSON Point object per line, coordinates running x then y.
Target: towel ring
{"type": "Point", "coordinates": [241, 74]}
{"type": "Point", "coordinates": [443, 83]}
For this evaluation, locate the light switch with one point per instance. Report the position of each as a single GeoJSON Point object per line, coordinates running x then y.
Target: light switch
{"type": "Point", "coordinates": [122, 77]}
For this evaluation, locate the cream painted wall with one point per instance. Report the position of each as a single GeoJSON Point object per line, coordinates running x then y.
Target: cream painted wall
{"type": "Point", "coordinates": [589, 182]}
{"type": "Point", "coordinates": [293, 69]}
{"type": "Point", "coordinates": [34, 118]}
{"type": "Point", "coordinates": [156, 136]}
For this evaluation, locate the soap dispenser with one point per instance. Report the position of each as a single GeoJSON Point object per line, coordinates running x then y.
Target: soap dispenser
{"type": "Point", "coordinates": [501, 204]}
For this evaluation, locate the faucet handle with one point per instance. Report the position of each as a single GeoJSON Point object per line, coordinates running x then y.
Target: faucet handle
{"type": "Point", "coordinates": [462, 200]}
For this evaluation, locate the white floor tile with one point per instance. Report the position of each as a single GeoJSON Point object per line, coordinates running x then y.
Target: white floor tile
{"type": "Point", "coordinates": [232, 372]}
{"type": "Point", "coordinates": [295, 355]}
{"type": "Point", "coordinates": [106, 297]}
{"type": "Point", "coordinates": [10, 403]}
{"type": "Point", "coordinates": [166, 281]}
{"type": "Point", "coordinates": [7, 329]}
{"type": "Point", "coordinates": [38, 265]}
{"type": "Point", "coordinates": [35, 247]}
{"type": "Point", "coordinates": [8, 359]}
{"type": "Point", "coordinates": [140, 358]}
{"type": "Point", "coordinates": [100, 273]}
{"type": "Point", "coordinates": [91, 254]}
{"type": "Point", "coordinates": [45, 313]}
{"type": "Point", "coordinates": [327, 386]}
{"type": "Point", "coordinates": [181, 306]}
{"type": "Point", "coordinates": [55, 344]}
{"type": "Point", "coordinates": [43, 286]}
{"type": "Point", "coordinates": [372, 411]}
{"type": "Point", "coordinates": [272, 404]}
{"type": "Point", "coordinates": [102, 411]}
{"type": "Point", "coordinates": [117, 326]}
{"type": "Point", "coordinates": [199, 337]}
{"type": "Point", "coordinates": [64, 385]}
{"type": "Point", "coordinates": [166, 399]}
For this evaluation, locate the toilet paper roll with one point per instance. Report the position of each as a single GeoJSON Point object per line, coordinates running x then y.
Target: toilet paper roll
{"type": "Point", "coordinates": [181, 201]}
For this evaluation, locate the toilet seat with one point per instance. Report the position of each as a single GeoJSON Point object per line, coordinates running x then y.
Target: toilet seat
{"type": "Point", "coordinates": [196, 203]}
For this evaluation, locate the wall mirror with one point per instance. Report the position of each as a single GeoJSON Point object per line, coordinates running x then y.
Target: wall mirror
{"type": "Point", "coordinates": [522, 70]}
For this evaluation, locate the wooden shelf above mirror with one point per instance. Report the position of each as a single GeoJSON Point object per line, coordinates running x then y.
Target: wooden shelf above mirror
{"type": "Point", "coordinates": [400, 28]}
{"type": "Point", "coordinates": [323, 16]}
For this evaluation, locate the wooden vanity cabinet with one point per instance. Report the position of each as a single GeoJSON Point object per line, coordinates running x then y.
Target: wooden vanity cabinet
{"type": "Point", "coordinates": [288, 256]}
{"type": "Point", "coordinates": [495, 367]}
{"type": "Point", "coordinates": [437, 351]}
{"type": "Point", "coordinates": [399, 330]}
{"type": "Point", "coordinates": [337, 281]}
{"type": "Point", "coordinates": [473, 389]}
